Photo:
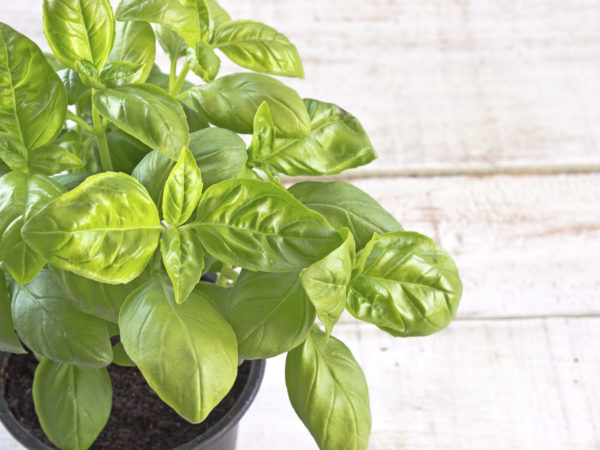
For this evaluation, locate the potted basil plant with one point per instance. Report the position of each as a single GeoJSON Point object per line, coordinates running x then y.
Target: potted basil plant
{"type": "Point", "coordinates": [123, 186]}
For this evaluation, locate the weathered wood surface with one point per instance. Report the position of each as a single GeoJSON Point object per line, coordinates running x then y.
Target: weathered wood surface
{"type": "Point", "coordinates": [474, 85]}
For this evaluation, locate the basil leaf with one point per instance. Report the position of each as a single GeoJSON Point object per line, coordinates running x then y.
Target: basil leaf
{"type": "Point", "coordinates": [97, 299]}
{"type": "Point", "coordinates": [4, 169]}
{"type": "Point", "coordinates": [52, 327]}
{"type": "Point", "coordinates": [54, 62]}
{"type": "Point", "coordinates": [21, 197]}
{"type": "Point", "coordinates": [218, 15]}
{"type": "Point", "coordinates": [121, 73]}
{"type": "Point", "coordinates": [258, 47]}
{"type": "Point", "coordinates": [73, 85]}
{"type": "Point", "coordinates": [121, 358]}
{"type": "Point", "coordinates": [13, 152]}
{"type": "Point", "coordinates": [263, 137]}
{"type": "Point", "coordinates": [9, 342]}
{"type": "Point", "coordinates": [269, 312]}
{"type": "Point", "coordinates": [231, 102]}
{"type": "Point", "coordinates": [204, 62]}
{"type": "Point", "coordinates": [328, 391]}
{"type": "Point", "coordinates": [88, 73]}
{"type": "Point", "coordinates": [148, 114]}
{"type": "Point", "coordinates": [219, 153]}
{"type": "Point", "coordinates": [125, 151]}
{"type": "Point", "coordinates": [79, 29]}
{"type": "Point", "coordinates": [258, 226]}
{"type": "Point", "coordinates": [72, 403]}
{"type": "Point", "coordinates": [161, 80]}
{"type": "Point", "coordinates": [183, 190]}
{"type": "Point", "coordinates": [33, 101]}
{"type": "Point", "coordinates": [337, 142]}
{"type": "Point", "coordinates": [70, 181]}
{"type": "Point", "coordinates": [105, 229]}
{"type": "Point", "coordinates": [195, 120]}
{"type": "Point", "coordinates": [326, 281]}
{"type": "Point", "coordinates": [345, 205]}
{"type": "Point", "coordinates": [409, 285]}
{"type": "Point", "coordinates": [172, 44]}
{"type": "Point", "coordinates": [135, 43]}
{"type": "Point", "coordinates": [52, 159]}
{"type": "Point", "coordinates": [187, 352]}
{"type": "Point", "coordinates": [182, 255]}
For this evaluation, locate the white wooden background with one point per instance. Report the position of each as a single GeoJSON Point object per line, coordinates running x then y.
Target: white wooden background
{"type": "Point", "coordinates": [486, 117]}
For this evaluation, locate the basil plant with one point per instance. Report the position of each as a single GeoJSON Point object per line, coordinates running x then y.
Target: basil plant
{"type": "Point", "coordinates": [122, 186]}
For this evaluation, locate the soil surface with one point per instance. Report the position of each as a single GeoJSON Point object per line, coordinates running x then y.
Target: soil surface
{"type": "Point", "coordinates": [139, 419]}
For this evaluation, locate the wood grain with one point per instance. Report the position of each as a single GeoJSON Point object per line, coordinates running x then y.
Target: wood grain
{"type": "Point", "coordinates": [475, 85]}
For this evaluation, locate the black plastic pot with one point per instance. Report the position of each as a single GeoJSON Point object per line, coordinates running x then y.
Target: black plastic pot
{"type": "Point", "coordinates": [222, 436]}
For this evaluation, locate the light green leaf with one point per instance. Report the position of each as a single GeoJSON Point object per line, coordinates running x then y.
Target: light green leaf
{"type": "Point", "coordinates": [54, 62]}
{"type": "Point", "coordinates": [218, 15]}
{"type": "Point", "coordinates": [183, 257]}
{"type": "Point", "coordinates": [13, 152]}
{"type": "Point", "coordinates": [337, 142]}
{"type": "Point", "coordinates": [203, 61]}
{"type": "Point", "coordinates": [33, 101]}
{"type": "Point", "coordinates": [183, 190]}
{"type": "Point", "coordinates": [326, 281]}
{"type": "Point", "coordinates": [172, 44]}
{"type": "Point", "coordinates": [21, 197]}
{"type": "Point", "coordinates": [52, 159]}
{"type": "Point", "coordinates": [88, 73]}
{"type": "Point", "coordinates": [135, 43]}
{"type": "Point", "coordinates": [231, 102]}
{"type": "Point", "coordinates": [121, 358]}
{"type": "Point", "coordinates": [219, 153]}
{"type": "Point", "coordinates": [328, 391]}
{"type": "Point", "coordinates": [269, 312]}
{"type": "Point", "coordinates": [52, 327]}
{"type": "Point", "coordinates": [148, 114]}
{"type": "Point", "coordinates": [72, 403]}
{"type": "Point", "coordinates": [258, 47]}
{"type": "Point", "coordinates": [9, 342]}
{"type": "Point", "coordinates": [263, 137]}
{"type": "Point", "coordinates": [409, 285]}
{"type": "Point", "coordinates": [105, 229]}
{"type": "Point", "coordinates": [121, 73]}
{"type": "Point", "coordinates": [187, 352]}
{"type": "Point", "coordinates": [79, 29]}
{"type": "Point", "coordinates": [258, 226]}
{"type": "Point", "coordinates": [344, 205]}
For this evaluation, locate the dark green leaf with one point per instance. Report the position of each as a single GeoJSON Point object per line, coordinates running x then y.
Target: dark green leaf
{"type": "Point", "coordinates": [231, 102]}
{"type": "Point", "coordinates": [409, 285]}
{"type": "Point", "coordinates": [328, 391]}
{"type": "Point", "coordinates": [9, 342]}
{"type": "Point", "coordinates": [73, 84]}
{"type": "Point", "coordinates": [344, 205]}
{"type": "Point", "coordinates": [72, 403]}
{"type": "Point", "coordinates": [52, 159]}
{"type": "Point", "coordinates": [125, 150]}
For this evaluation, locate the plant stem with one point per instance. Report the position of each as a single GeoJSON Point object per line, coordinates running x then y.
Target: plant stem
{"type": "Point", "coordinates": [180, 80]}
{"type": "Point", "coordinates": [105, 160]}
{"type": "Point", "coordinates": [79, 121]}
{"type": "Point", "coordinates": [173, 75]}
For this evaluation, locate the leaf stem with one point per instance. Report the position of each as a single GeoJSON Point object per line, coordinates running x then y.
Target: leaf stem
{"type": "Point", "coordinates": [82, 123]}
{"type": "Point", "coordinates": [173, 75]}
{"type": "Point", "coordinates": [180, 79]}
{"type": "Point", "coordinates": [105, 160]}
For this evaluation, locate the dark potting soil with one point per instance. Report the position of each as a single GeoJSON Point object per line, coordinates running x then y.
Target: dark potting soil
{"type": "Point", "coordinates": [138, 420]}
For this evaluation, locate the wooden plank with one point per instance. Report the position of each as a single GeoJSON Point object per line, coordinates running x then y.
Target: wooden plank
{"type": "Point", "coordinates": [475, 85]}
{"type": "Point", "coordinates": [525, 245]}
{"type": "Point", "coordinates": [516, 384]}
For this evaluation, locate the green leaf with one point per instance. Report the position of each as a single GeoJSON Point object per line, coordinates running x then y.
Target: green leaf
{"type": "Point", "coordinates": [187, 352]}
{"type": "Point", "coordinates": [79, 29]}
{"type": "Point", "coordinates": [218, 15]}
{"type": "Point", "coordinates": [73, 84]}
{"type": "Point", "coordinates": [258, 226]}
{"type": "Point", "coordinates": [326, 281]}
{"type": "Point", "coordinates": [328, 391]}
{"type": "Point", "coordinates": [21, 197]}
{"type": "Point", "coordinates": [54, 62]}
{"type": "Point", "coordinates": [258, 47]}
{"type": "Point", "coordinates": [263, 137]}
{"type": "Point", "coordinates": [52, 159]}
{"type": "Point", "coordinates": [13, 152]}
{"type": "Point", "coordinates": [183, 190]}
{"type": "Point", "coordinates": [97, 299]}
{"type": "Point", "coordinates": [72, 403]}
{"type": "Point", "coordinates": [148, 114]}
{"type": "Point", "coordinates": [121, 358]}
{"type": "Point", "coordinates": [183, 257]}
{"type": "Point", "coordinates": [409, 285]}
{"type": "Point", "coordinates": [203, 61]}
{"type": "Point", "coordinates": [125, 151]}
{"type": "Point", "coordinates": [52, 327]}
{"type": "Point", "coordinates": [105, 229]}
{"type": "Point", "coordinates": [70, 181]}
{"type": "Point", "coordinates": [344, 205]}
{"type": "Point", "coordinates": [33, 101]}
{"type": "Point", "coordinates": [9, 342]}
{"type": "Point", "coordinates": [88, 73]}
{"type": "Point", "coordinates": [219, 153]}
{"type": "Point", "coordinates": [135, 43]}
{"type": "Point", "coordinates": [161, 80]}
{"type": "Point", "coordinates": [172, 44]}
{"type": "Point", "coordinates": [188, 18]}
{"type": "Point", "coordinates": [269, 312]}
{"type": "Point", "coordinates": [195, 120]}
{"type": "Point", "coordinates": [231, 102]}
{"type": "Point", "coordinates": [337, 142]}
{"type": "Point", "coordinates": [121, 73]}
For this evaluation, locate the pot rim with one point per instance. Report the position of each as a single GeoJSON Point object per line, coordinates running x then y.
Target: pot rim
{"type": "Point", "coordinates": [225, 424]}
